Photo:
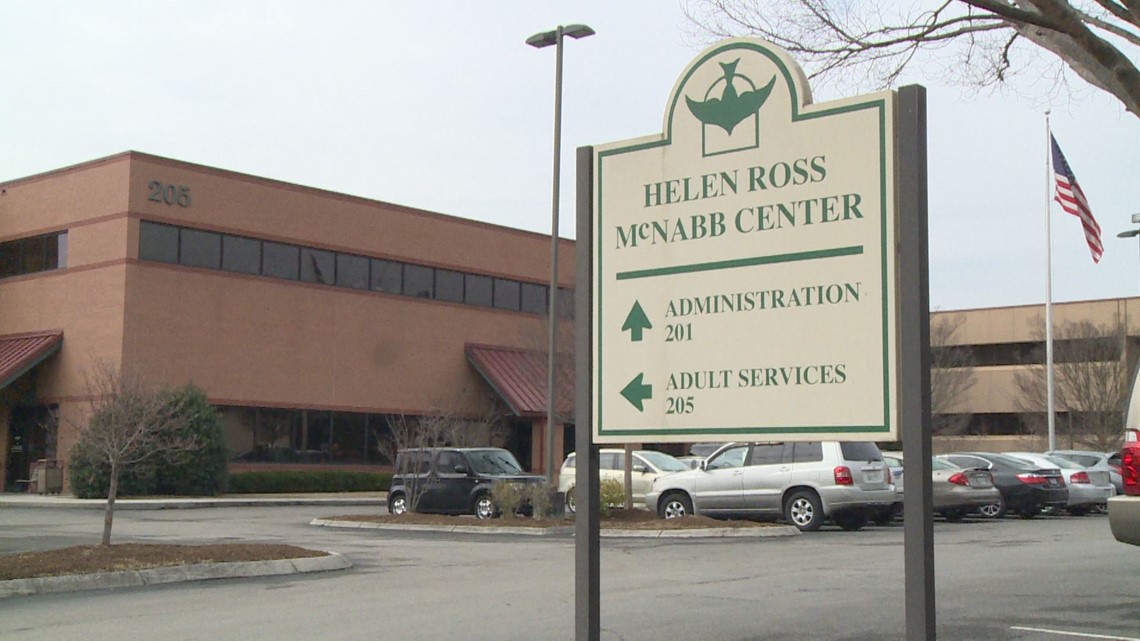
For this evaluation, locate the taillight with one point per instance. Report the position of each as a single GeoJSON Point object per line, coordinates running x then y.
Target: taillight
{"type": "Point", "coordinates": [890, 477]}
{"type": "Point", "coordinates": [1079, 477]}
{"type": "Point", "coordinates": [959, 479]}
{"type": "Point", "coordinates": [843, 475]}
{"type": "Point", "coordinates": [1130, 468]}
{"type": "Point", "coordinates": [1030, 478]}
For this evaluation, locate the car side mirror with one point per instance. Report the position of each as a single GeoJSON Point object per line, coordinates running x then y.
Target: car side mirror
{"type": "Point", "coordinates": [461, 469]}
{"type": "Point", "coordinates": [704, 466]}
{"type": "Point", "coordinates": [640, 468]}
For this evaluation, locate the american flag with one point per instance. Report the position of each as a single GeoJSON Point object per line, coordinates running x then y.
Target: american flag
{"type": "Point", "coordinates": [1073, 200]}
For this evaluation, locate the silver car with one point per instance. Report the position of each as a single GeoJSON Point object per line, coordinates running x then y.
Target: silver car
{"type": "Point", "coordinates": [955, 491]}
{"type": "Point", "coordinates": [803, 482]}
{"type": "Point", "coordinates": [1103, 461]}
{"type": "Point", "coordinates": [1088, 488]}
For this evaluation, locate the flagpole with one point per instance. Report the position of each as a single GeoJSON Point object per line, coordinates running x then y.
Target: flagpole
{"type": "Point", "coordinates": [1049, 403]}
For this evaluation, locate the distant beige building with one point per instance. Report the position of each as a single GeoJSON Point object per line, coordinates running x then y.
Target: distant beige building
{"type": "Point", "coordinates": [1006, 341]}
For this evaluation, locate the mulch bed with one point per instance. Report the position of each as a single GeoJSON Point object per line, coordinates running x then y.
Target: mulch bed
{"type": "Point", "coordinates": [86, 559]}
{"type": "Point", "coordinates": [616, 519]}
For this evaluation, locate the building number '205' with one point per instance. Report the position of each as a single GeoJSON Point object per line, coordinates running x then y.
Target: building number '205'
{"type": "Point", "coordinates": [161, 192]}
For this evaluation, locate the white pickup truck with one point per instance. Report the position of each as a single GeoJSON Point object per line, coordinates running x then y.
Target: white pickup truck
{"type": "Point", "coordinates": [1124, 510]}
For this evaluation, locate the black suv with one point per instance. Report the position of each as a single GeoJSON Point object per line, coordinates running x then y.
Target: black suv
{"type": "Point", "coordinates": [452, 480]}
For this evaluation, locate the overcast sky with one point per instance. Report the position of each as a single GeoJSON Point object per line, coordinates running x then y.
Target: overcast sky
{"type": "Point", "coordinates": [441, 106]}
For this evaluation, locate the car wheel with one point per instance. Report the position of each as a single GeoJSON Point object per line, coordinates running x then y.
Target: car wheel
{"type": "Point", "coordinates": [994, 510]}
{"type": "Point", "coordinates": [570, 499]}
{"type": "Point", "coordinates": [674, 505]}
{"type": "Point", "coordinates": [484, 507]}
{"type": "Point", "coordinates": [804, 511]}
{"type": "Point", "coordinates": [397, 504]}
{"type": "Point", "coordinates": [953, 516]}
{"type": "Point", "coordinates": [851, 521]}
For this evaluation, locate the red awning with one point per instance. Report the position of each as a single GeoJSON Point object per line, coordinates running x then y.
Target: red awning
{"type": "Point", "coordinates": [519, 376]}
{"type": "Point", "coordinates": [21, 352]}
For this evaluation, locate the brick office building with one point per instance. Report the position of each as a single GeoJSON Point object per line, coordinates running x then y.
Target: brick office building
{"type": "Point", "coordinates": [309, 317]}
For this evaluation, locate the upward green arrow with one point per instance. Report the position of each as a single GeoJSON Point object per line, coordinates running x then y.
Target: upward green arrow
{"type": "Point", "coordinates": [636, 392]}
{"type": "Point", "coordinates": [636, 322]}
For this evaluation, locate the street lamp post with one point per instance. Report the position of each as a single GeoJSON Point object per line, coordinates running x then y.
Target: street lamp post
{"type": "Point", "coordinates": [1132, 232]}
{"type": "Point", "coordinates": [539, 41]}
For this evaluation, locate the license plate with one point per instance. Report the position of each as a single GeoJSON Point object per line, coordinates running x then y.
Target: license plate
{"type": "Point", "coordinates": [1052, 481]}
{"type": "Point", "coordinates": [872, 477]}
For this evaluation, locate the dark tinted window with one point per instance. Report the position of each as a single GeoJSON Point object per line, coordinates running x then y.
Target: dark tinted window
{"type": "Point", "coordinates": [767, 454]}
{"type": "Point", "coordinates": [449, 285]}
{"type": "Point", "coordinates": [200, 248]}
{"type": "Point", "coordinates": [419, 281]}
{"type": "Point", "coordinates": [352, 271]}
{"type": "Point", "coordinates": [241, 255]}
{"type": "Point", "coordinates": [318, 266]}
{"type": "Point", "coordinates": [158, 242]}
{"type": "Point", "coordinates": [856, 451]}
{"type": "Point", "coordinates": [533, 299]}
{"type": "Point", "coordinates": [507, 294]}
{"type": "Point", "coordinates": [477, 290]}
{"type": "Point", "coordinates": [386, 276]}
{"type": "Point", "coordinates": [808, 452]}
{"type": "Point", "coordinates": [448, 460]}
{"type": "Point", "coordinates": [35, 254]}
{"type": "Point", "coordinates": [280, 261]}
{"type": "Point", "coordinates": [11, 254]}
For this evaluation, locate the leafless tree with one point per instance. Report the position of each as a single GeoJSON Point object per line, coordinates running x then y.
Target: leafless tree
{"type": "Point", "coordinates": [981, 42]}
{"type": "Point", "coordinates": [951, 374]}
{"type": "Point", "coordinates": [1091, 382]}
{"type": "Point", "coordinates": [129, 424]}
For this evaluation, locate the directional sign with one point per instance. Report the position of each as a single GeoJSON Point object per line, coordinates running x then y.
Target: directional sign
{"type": "Point", "coordinates": [744, 262]}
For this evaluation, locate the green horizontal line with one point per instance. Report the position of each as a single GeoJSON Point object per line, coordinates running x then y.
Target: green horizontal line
{"type": "Point", "coordinates": [854, 250]}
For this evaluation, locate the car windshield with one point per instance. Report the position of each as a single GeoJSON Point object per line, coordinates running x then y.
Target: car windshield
{"type": "Point", "coordinates": [663, 461]}
{"type": "Point", "coordinates": [494, 462]}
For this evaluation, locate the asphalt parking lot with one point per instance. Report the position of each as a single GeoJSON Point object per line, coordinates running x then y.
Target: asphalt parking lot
{"type": "Point", "coordinates": [1049, 578]}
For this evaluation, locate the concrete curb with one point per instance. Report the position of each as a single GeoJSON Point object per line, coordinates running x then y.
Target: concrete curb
{"type": "Point", "coordinates": [171, 574]}
{"type": "Point", "coordinates": [182, 503]}
{"type": "Point", "coordinates": [725, 532]}
{"type": "Point", "coordinates": [466, 529]}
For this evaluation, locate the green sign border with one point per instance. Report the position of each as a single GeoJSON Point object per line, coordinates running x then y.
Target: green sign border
{"type": "Point", "coordinates": [884, 183]}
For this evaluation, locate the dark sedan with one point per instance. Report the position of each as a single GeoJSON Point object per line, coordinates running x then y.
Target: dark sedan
{"type": "Point", "coordinates": [1026, 489]}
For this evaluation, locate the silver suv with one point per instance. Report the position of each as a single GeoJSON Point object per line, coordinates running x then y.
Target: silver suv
{"type": "Point", "coordinates": [803, 482]}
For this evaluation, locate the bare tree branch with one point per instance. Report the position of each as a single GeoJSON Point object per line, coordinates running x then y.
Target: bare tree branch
{"type": "Point", "coordinates": [835, 38]}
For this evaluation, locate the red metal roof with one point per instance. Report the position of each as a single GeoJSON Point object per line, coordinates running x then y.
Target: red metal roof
{"type": "Point", "coordinates": [519, 376]}
{"type": "Point", "coordinates": [21, 352]}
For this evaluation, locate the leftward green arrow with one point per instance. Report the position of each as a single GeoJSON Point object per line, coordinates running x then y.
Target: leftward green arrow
{"type": "Point", "coordinates": [636, 322]}
{"type": "Point", "coordinates": [636, 392]}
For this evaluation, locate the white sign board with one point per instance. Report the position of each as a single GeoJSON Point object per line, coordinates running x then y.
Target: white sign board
{"type": "Point", "coordinates": [744, 259]}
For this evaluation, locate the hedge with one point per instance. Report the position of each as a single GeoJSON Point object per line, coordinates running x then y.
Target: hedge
{"type": "Point", "coordinates": [273, 482]}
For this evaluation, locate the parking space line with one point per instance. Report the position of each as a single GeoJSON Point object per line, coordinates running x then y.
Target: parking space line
{"type": "Point", "coordinates": [1083, 635]}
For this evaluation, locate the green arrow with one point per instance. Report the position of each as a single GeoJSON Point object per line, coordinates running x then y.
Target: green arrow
{"type": "Point", "coordinates": [636, 322]}
{"type": "Point", "coordinates": [636, 392]}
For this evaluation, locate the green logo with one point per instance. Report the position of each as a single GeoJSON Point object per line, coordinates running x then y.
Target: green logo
{"type": "Point", "coordinates": [733, 106]}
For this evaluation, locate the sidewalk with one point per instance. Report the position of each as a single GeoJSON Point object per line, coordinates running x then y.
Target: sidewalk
{"type": "Point", "coordinates": [178, 503]}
